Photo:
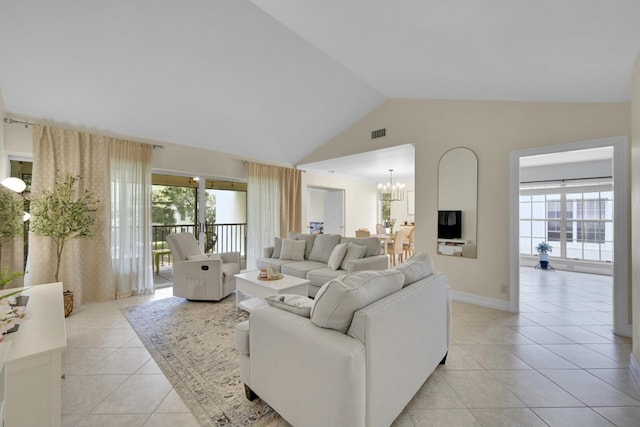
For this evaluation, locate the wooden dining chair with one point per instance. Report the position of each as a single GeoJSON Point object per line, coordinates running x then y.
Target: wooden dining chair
{"type": "Point", "coordinates": [408, 247]}
{"type": "Point", "coordinates": [380, 229]}
{"type": "Point", "coordinates": [395, 247]}
{"type": "Point", "coordinates": [363, 232]}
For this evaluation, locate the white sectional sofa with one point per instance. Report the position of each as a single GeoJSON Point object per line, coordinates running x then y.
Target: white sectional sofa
{"type": "Point", "coordinates": [322, 257]}
{"type": "Point", "coordinates": [371, 340]}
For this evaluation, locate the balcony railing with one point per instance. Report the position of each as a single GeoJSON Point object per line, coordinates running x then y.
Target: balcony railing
{"type": "Point", "coordinates": [220, 238]}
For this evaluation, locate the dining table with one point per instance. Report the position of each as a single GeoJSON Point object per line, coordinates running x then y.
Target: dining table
{"type": "Point", "coordinates": [386, 239]}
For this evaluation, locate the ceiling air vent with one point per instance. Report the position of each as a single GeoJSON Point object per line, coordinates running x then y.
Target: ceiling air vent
{"type": "Point", "coordinates": [378, 133]}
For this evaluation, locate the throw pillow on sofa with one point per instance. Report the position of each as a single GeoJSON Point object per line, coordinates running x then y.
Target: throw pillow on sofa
{"type": "Point", "coordinates": [337, 255]}
{"type": "Point", "coordinates": [292, 250]}
{"type": "Point", "coordinates": [338, 300]}
{"type": "Point", "coordinates": [296, 304]}
{"type": "Point", "coordinates": [353, 252]}
{"type": "Point", "coordinates": [277, 247]}
{"type": "Point", "coordinates": [323, 246]}
{"type": "Point", "coordinates": [309, 238]}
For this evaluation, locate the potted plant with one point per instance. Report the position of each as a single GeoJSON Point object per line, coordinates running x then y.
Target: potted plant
{"type": "Point", "coordinates": [543, 250]}
{"type": "Point", "coordinates": [62, 215]}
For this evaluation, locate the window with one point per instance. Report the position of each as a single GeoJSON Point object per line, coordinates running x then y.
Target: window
{"type": "Point", "coordinates": [576, 218]}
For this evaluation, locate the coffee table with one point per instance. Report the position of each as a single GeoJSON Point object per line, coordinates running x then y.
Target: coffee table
{"type": "Point", "coordinates": [251, 291]}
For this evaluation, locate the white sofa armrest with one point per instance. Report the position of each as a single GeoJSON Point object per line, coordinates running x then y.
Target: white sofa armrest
{"type": "Point", "coordinates": [309, 375]}
{"type": "Point", "coordinates": [376, 262]}
{"type": "Point", "coordinates": [230, 257]}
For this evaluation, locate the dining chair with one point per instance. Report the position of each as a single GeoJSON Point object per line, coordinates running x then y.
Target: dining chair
{"type": "Point", "coordinates": [363, 232]}
{"type": "Point", "coordinates": [380, 229]}
{"type": "Point", "coordinates": [407, 246]}
{"type": "Point", "coordinates": [395, 247]}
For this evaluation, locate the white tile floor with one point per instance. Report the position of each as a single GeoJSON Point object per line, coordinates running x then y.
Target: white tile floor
{"type": "Point", "coordinates": [556, 363]}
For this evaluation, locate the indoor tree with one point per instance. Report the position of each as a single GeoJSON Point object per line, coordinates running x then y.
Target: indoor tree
{"type": "Point", "coordinates": [11, 225]}
{"type": "Point", "coordinates": [62, 215]}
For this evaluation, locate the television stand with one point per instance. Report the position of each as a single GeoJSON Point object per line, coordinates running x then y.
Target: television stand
{"type": "Point", "coordinates": [451, 246]}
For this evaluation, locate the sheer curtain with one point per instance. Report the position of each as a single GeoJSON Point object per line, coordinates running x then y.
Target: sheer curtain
{"type": "Point", "coordinates": [116, 261]}
{"type": "Point", "coordinates": [263, 203]}
{"type": "Point", "coordinates": [274, 206]}
{"type": "Point", "coordinates": [86, 263]}
{"type": "Point", "coordinates": [131, 217]}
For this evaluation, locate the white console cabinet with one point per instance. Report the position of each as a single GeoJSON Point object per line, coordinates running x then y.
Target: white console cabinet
{"type": "Point", "coordinates": [33, 371]}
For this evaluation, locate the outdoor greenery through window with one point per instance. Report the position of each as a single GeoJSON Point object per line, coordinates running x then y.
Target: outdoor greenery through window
{"type": "Point", "coordinates": [575, 217]}
{"type": "Point", "coordinates": [175, 207]}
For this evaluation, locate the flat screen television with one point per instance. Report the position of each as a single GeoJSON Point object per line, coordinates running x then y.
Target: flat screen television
{"type": "Point", "coordinates": [449, 224]}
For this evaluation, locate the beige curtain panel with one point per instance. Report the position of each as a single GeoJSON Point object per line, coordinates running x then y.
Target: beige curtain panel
{"type": "Point", "coordinates": [103, 163]}
{"type": "Point", "coordinates": [274, 198]}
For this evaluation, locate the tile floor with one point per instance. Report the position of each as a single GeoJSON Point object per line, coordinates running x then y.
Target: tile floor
{"type": "Point", "coordinates": [556, 363]}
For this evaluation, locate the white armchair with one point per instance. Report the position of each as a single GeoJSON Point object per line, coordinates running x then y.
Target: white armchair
{"type": "Point", "coordinates": [198, 276]}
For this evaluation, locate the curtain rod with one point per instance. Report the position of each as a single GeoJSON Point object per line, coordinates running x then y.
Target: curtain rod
{"type": "Point", "coordinates": [11, 121]}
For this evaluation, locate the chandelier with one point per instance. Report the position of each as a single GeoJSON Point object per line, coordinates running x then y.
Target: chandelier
{"type": "Point", "coordinates": [391, 192]}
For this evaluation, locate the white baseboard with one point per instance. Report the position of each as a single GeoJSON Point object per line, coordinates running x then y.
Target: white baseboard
{"type": "Point", "coordinates": [634, 368]}
{"type": "Point", "coordinates": [497, 304]}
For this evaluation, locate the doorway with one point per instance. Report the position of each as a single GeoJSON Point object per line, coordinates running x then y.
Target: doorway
{"type": "Point", "coordinates": [325, 210]}
{"type": "Point", "coordinates": [621, 287]}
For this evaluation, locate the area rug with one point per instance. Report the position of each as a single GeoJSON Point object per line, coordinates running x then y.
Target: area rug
{"type": "Point", "coordinates": [193, 343]}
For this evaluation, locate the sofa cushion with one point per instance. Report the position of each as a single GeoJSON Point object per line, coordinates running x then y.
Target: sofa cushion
{"type": "Point", "coordinates": [415, 268]}
{"type": "Point", "coordinates": [340, 298]}
{"type": "Point", "coordinates": [323, 246]}
{"type": "Point", "coordinates": [321, 276]}
{"type": "Point", "coordinates": [337, 255]}
{"type": "Point", "coordinates": [309, 238]}
{"type": "Point", "coordinates": [292, 249]}
{"type": "Point", "coordinates": [296, 304]}
{"type": "Point", "coordinates": [277, 247]}
{"type": "Point", "coordinates": [371, 243]}
{"type": "Point", "coordinates": [301, 268]}
{"type": "Point", "coordinates": [353, 252]}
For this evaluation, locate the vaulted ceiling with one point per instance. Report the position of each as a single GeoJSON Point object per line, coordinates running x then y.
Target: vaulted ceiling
{"type": "Point", "coordinates": [276, 79]}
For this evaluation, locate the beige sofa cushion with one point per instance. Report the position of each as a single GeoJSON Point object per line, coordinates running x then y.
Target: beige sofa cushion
{"type": "Point", "coordinates": [415, 268]}
{"type": "Point", "coordinates": [337, 255]}
{"type": "Point", "coordinates": [371, 243]}
{"type": "Point", "coordinates": [292, 249]}
{"type": "Point", "coordinates": [323, 246]}
{"type": "Point", "coordinates": [277, 247]}
{"type": "Point", "coordinates": [353, 252]}
{"type": "Point", "coordinates": [338, 299]}
{"type": "Point", "coordinates": [308, 238]}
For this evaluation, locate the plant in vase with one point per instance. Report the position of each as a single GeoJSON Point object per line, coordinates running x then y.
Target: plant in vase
{"type": "Point", "coordinates": [543, 249]}
{"type": "Point", "coordinates": [62, 215]}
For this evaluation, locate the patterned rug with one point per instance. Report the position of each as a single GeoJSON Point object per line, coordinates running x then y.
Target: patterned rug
{"type": "Point", "coordinates": [193, 343]}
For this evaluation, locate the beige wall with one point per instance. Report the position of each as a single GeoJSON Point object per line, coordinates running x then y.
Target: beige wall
{"type": "Point", "coordinates": [492, 129]}
{"type": "Point", "coordinates": [635, 207]}
{"type": "Point", "coordinates": [173, 158]}
{"type": "Point", "coordinates": [359, 200]}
